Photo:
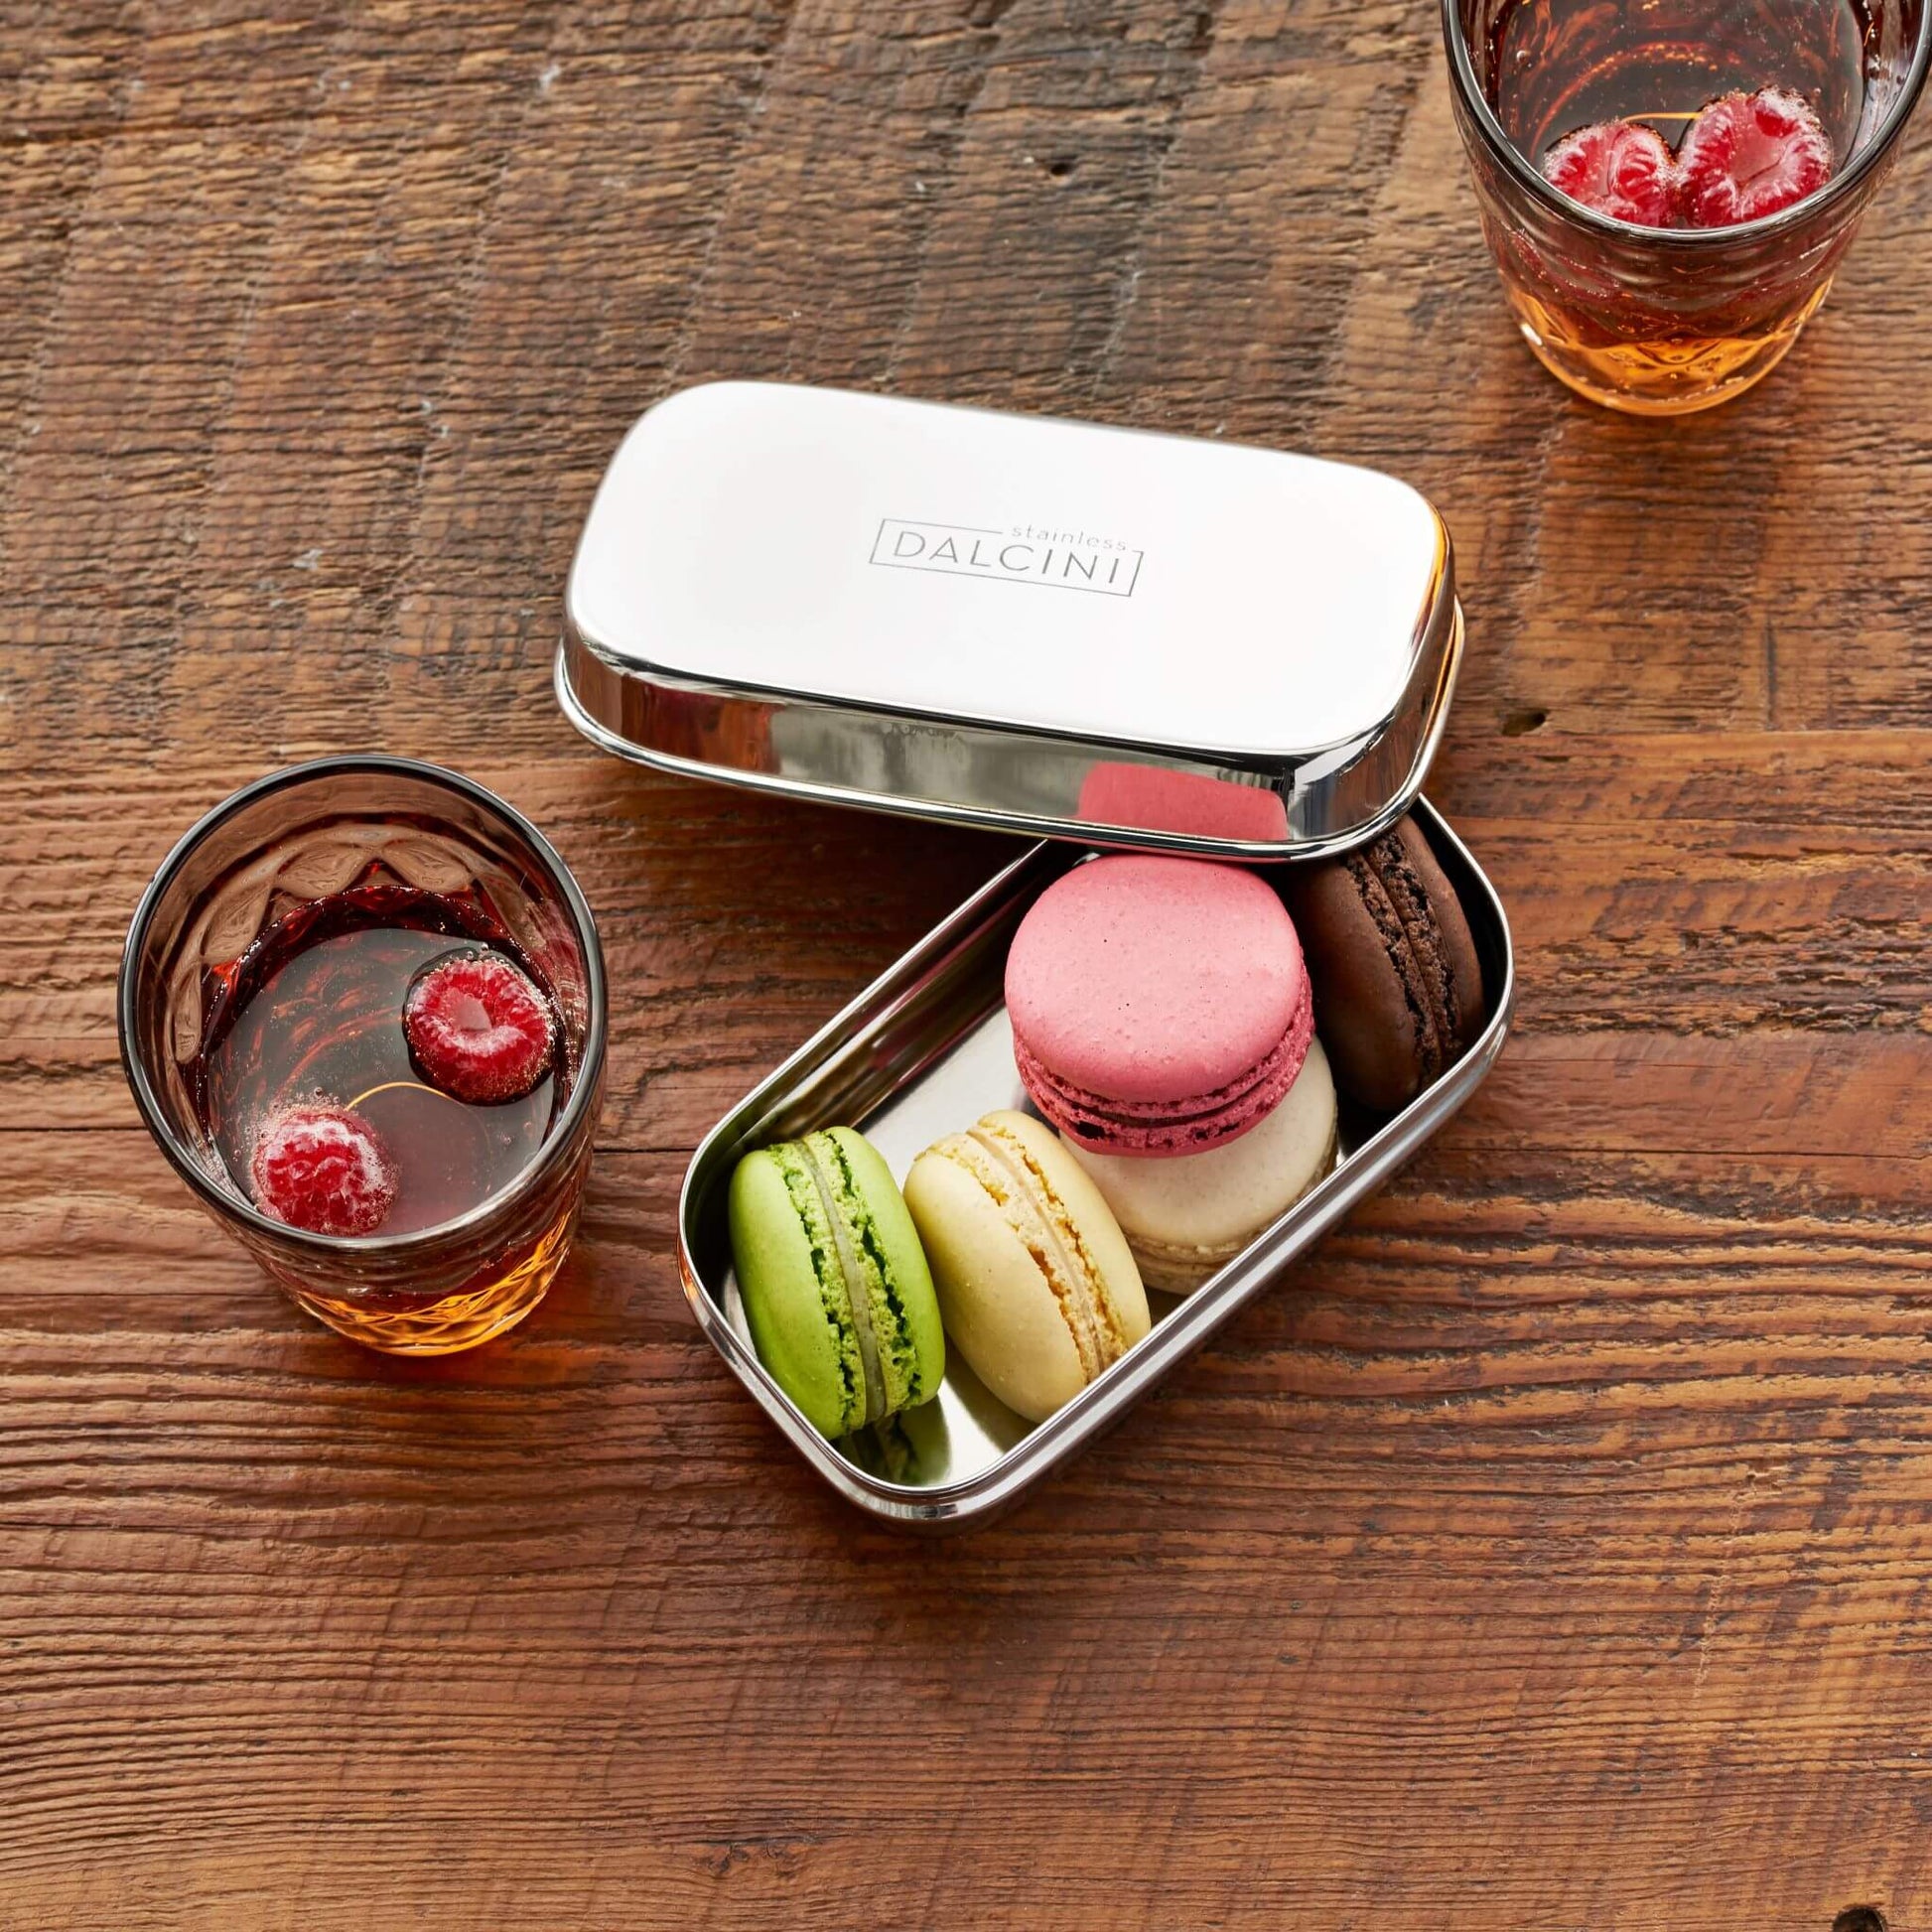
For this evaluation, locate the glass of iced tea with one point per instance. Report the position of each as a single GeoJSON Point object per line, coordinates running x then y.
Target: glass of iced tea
{"type": "Point", "coordinates": [1669, 186]}
{"type": "Point", "coordinates": [362, 1010]}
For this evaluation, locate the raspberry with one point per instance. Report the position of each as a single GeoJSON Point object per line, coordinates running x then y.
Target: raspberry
{"type": "Point", "coordinates": [323, 1168]}
{"type": "Point", "coordinates": [1619, 169]}
{"type": "Point", "coordinates": [1747, 156]}
{"type": "Point", "coordinates": [478, 1028]}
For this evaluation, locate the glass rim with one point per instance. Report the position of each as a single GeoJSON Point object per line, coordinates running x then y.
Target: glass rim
{"type": "Point", "coordinates": [1690, 240]}
{"type": "Point", "coordinates": [235, 1205]}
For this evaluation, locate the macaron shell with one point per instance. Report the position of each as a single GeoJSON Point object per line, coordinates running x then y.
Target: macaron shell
{"type": "Point", "coordinates": [1361, 1002]}
{"type": "Point", "coordinates": [786, 1307]}
{"type": "Point", "coordinates": [905, 1306]}
{"type": "Point", "coordinates": [1398, 982]}
{"type": "Point", "coordinates": [997, 1298]}
{"type": "Point", "coordinates": [1166, 1130]}
{"type": "Point", "coordinates": [1153, 980]}
{"type": "Point", "coordinates": [1186, 1218]}
{"type": "Point", "coordinates": [999, 1308]}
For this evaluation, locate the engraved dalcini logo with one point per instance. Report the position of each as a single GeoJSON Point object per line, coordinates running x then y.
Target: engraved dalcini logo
{"type": "Point", "coordinates": [1025, 553]}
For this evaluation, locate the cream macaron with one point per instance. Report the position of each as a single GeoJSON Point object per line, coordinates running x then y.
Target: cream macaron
{"type": "Point", "coordinates": [1186, 1218]}
{"type": "Point", "coordinates": [1038, 1287]}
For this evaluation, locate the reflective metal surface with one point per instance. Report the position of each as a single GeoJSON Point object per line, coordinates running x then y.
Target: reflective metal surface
{"type": "Point", "coordinates": [1126, 638]}
{"type": "Point", "coordinates": [924, 1051]}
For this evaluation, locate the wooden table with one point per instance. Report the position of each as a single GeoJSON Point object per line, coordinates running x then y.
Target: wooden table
{"type": "Point", "coordinates": [1550, 1551]}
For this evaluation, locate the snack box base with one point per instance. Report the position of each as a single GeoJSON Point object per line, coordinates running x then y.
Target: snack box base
{"type": "Point", "coordinates": [921, 1053]}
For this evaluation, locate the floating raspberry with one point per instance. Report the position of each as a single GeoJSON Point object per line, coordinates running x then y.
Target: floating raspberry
{"type": "Point", "coordinates": [479, 1030]}
{"type": "Point", "coordinates": [1747, 156]}
{"type": "Point", "coordinates": [1619, 169]}
{"type": "Point", "coordinates": [323, 1168]}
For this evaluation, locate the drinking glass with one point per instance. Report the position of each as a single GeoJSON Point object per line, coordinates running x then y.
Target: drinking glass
{"type": "Point", "coordinates": [1665, 320]}
{"type": "Point", "coordinates": [304, 835]}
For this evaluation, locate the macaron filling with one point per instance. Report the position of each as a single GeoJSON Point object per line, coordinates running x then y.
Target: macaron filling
{"type": "Point", "coordinates": [1192, 1125]}
{"type": "Point", "coordinates": [1396, 901]}
{"type": "Point", "coordinates": [851, 1280]}
{"type": "Point", "coordinates": [1002, 1166]}
{"type": "Point", "coordinates": [1405, 886]}
{"type": "Point", "coordinates": [878, 1358]}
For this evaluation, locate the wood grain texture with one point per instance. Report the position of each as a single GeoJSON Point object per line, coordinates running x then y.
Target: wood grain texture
{"type": "Point", "coordinates": [1550, 1551]}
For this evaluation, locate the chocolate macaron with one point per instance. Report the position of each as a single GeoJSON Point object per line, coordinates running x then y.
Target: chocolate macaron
{"type": "Point", "coordinates": [1398, 983]}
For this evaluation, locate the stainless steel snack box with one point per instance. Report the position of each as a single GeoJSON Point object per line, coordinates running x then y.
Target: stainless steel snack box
{"type": "Point", "coordinates": [1112, 637]}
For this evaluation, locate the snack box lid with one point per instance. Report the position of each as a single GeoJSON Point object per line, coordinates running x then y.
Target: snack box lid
{"type": "Point", "coordinates": [1049, 628]}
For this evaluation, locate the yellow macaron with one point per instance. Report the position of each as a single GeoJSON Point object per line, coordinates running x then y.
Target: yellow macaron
{"type": "Point", "coordinates": [1037, 1285]}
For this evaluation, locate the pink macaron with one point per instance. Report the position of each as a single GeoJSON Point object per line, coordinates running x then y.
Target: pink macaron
{"type": "Point", "coordinates": [1160, 1005]}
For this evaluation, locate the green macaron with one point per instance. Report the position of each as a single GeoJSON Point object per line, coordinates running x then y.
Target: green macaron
{"type": "Point", "coordinates": [835, 1284]}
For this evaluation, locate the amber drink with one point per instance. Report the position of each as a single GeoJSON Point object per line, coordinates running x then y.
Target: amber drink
{"type": "Point", "coordinates": [1663, 315]}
